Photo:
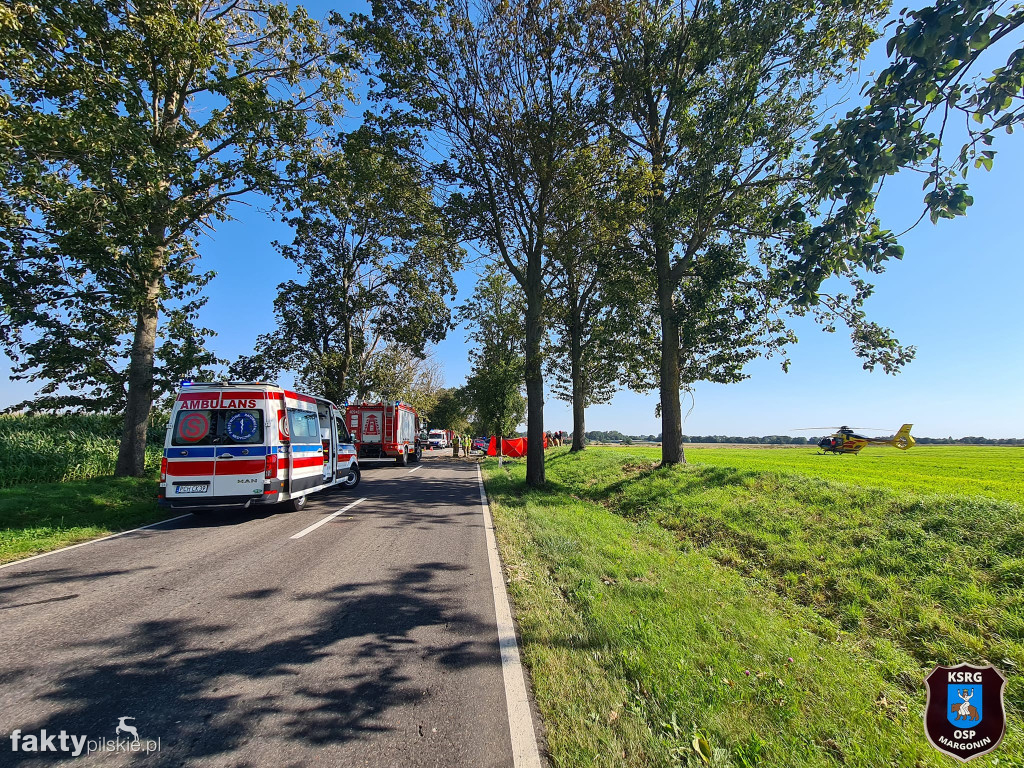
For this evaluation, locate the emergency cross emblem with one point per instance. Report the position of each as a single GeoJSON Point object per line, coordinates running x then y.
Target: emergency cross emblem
{"type": "Point", "coordinates": [964, 715]}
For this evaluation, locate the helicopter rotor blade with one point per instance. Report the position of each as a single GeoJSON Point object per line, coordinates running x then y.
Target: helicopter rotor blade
{"type": "Point", "coordinates": [873, 429]}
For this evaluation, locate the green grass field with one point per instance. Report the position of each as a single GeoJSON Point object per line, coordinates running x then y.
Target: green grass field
{"type": "Point", "coordinates": [965, 470]}
{"type": "Point", "coordinates": [52, 448]}
{"type": "Point", "coordinates": [56, 487]}
{"type": "Point", "coordinates": [781, 605]}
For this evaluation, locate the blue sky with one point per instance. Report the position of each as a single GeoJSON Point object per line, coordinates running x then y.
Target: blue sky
{"type": "Point", "coordinates": [955, 295]}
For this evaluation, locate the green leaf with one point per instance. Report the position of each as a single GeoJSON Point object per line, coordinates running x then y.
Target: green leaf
{"type": "Point", "coordinates": [703, 749]}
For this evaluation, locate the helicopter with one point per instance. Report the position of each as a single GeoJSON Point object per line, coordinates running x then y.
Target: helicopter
{"type": "Point", "coordinates": [845, 440]}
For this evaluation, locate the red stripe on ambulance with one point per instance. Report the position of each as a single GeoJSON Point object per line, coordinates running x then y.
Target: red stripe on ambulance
{"type": "Point", "coordinates": [189, 468]}
{"type": "Point", "coordinates": [312, 461]}
{"type": "Point", "coordinates": [241, 466]}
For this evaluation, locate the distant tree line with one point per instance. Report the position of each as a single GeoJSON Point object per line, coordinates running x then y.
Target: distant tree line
{"type": "Point", "coordinates": [614, 436]}
{"type": "Point", "coordinates": [969, 440]}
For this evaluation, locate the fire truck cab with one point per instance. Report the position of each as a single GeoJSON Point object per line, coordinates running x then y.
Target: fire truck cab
{"type": "Point", "coordinates": [386, 430]}
{"type": "Point", "coordinates": [234, 445]}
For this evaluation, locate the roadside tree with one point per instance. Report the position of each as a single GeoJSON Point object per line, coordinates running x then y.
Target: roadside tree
{"type": "Point", "coordinates": [399, 373]}
{"type": "Point", "coordinates": [715, 100]}
{"type": "Point", "coordinates": [378, 256]}
{"type": "Point", "coordinates": [127, 130]}
{"type": "Point", "coordinates": [452, 410]}
{"type": "Point", "coordinates": [496, 316]}
{"type": "Point", "coordinates": [596, 302]}
{"type": "Point", "coordinates": [503, 88]}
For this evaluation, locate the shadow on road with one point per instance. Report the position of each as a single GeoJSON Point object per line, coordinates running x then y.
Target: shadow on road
{"type": "Point", "coordinates": [15, 581]}
{"type": "Point", "coordinates": [331, 674]}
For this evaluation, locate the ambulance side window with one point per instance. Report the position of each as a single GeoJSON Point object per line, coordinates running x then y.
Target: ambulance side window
{"type": "Point", "coordinates": [304, 426]}
{"type": "Point", "coordinates": [297, 425]}
{"type": "Point", "coordinates": [343, 435]}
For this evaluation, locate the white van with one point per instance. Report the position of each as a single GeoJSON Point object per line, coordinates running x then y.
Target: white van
{"type": "Point", "coordinates": [236, 445]}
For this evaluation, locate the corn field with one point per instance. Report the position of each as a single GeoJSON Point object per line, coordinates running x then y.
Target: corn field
{"type": "Point", "coordinates": [54, 448]}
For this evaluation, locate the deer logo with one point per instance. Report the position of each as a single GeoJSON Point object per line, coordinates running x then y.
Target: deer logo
{"type": "Point", "coordinates": [129, 729]}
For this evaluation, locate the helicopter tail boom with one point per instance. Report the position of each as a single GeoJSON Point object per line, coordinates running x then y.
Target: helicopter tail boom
{"type": "Point", "coordinates": [903, 440]}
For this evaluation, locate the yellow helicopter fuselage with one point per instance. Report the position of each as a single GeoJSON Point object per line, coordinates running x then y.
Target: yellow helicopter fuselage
{"type": "Point", "coordinates": [845, 441]}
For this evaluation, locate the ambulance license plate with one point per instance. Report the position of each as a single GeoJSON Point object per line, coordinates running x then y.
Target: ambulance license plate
{"type": "Point", "coordinates": [191, 488]}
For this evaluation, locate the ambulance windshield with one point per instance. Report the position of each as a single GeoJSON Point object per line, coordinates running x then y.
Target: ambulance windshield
{"type": "Point", "coordinates": [218, 427]}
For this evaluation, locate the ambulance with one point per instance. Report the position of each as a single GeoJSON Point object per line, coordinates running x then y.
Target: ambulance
{"type": "Point", "coordinates": [237, 445]}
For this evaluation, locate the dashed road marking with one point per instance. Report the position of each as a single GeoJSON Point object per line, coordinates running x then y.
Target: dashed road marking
{"type": "Point", "coordinates": [327, 519]}
{"type": "Point", "coordinates": [413, 470]}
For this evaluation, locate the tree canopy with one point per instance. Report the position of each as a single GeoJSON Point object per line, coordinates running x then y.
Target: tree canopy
{"type": "Point", "coordinates": [502, 88]}
{"type": "Point", "coordinates": [127, 130]}
{"type": "Point", "coordinates": [957, 73]}
{"type": "Point", "coordinates": [715, 101]}
{"type": "Point", "coordinates": [378, 255]}
{"type": "Point", "coordinates": [650, 182]}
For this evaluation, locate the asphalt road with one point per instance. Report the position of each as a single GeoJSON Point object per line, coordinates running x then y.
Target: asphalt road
{"type": "Point", "coordinates": [370, 641]}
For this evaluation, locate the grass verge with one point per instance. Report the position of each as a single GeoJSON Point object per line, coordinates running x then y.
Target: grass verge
{"type": "Point", "coordinates": [776, 619]}
{"type": "Point", "coordinates": [40, 517]}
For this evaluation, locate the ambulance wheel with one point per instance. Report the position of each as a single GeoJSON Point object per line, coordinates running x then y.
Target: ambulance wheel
{"type": "Point", "coordinates": [297, 504]}
{"type": "Point", "coordinates": [403, 458]}
{"type": "Point", "coordinates": [352, 479]}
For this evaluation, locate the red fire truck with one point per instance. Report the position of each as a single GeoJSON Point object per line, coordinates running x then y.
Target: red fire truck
{"type": "Point", "coordinates": [385, 430]}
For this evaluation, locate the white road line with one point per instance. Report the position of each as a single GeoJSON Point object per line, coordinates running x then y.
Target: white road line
{"type": "Point", "coordinates": [413, 470]}
{"type": "Point", "coordinates": [327, 519]}
{"type": "Point", "coordinates": [93, 541]}
{"type": "Point", "coordinates": [524, 743]}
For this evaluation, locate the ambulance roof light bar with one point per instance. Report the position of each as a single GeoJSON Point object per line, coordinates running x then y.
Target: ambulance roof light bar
{"type": "Point", "coordinates": [190, 383]}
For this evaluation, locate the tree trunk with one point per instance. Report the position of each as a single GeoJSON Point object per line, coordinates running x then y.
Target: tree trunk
{"type": "Point", "coordinates": [671, 410]}
{"type": "Point", "coordinates": [131, 455]}
{"type": "Point", "coordinates": [349, 354]}
{"type": "Point", "coordinates": [535, 474]}
{"type": "Point", "coordinates": [341, 383]}
{"type": "Point", "coordinates": [579, 426]}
